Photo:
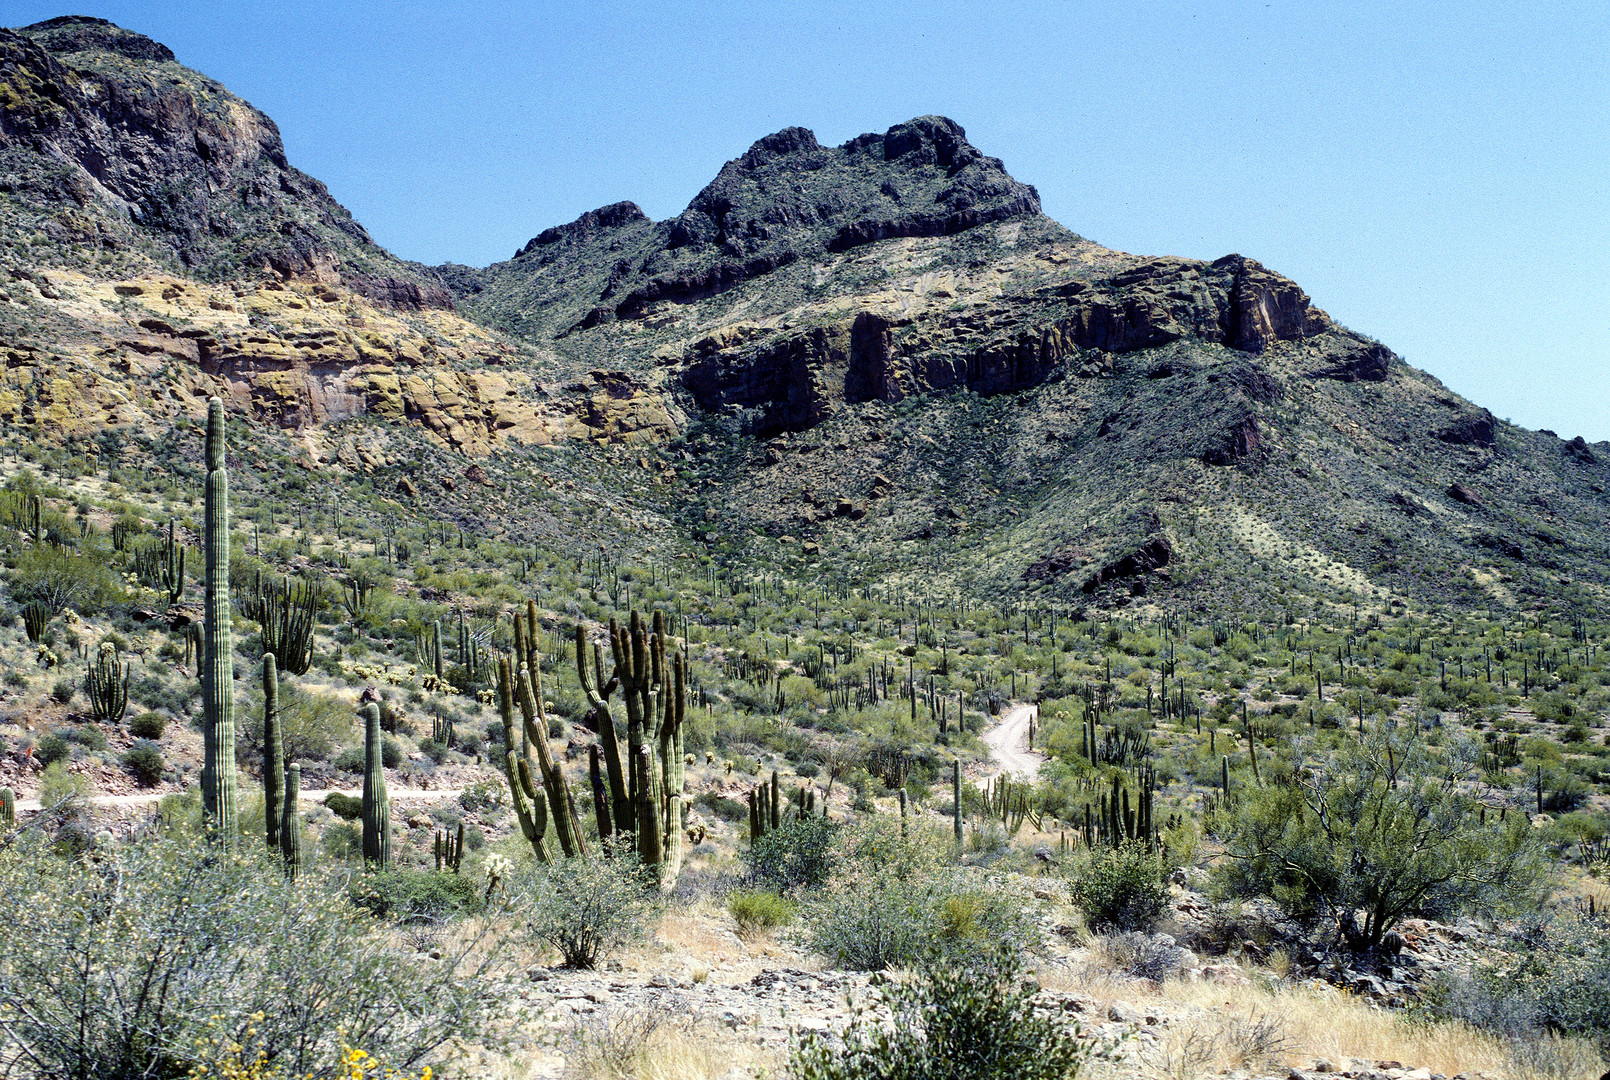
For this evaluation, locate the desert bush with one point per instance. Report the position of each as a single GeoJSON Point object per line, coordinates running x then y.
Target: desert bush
{"type": "Point", "coordinates": [1121, 888]}
{"type": "Point", "coordinates": [962, 1022]}
{"type": "Point", "coordinates": [1554, 977]}
{"type": "Point", "coordinates": [63, 579]}
{"type": "Point", "coordinates": [1379, 826]}
{"type": "Point", "coordinates": [311, 725]}
{"type": "Point", "coordinates": [585, 907]}
{"type": "Point", "coordinates": [233, 948]}
{"type": "Point", "coordinates": [143, 761]}
{"type": "Point", "coordinates": [51, 749]}
{"type": "Point", "coordinates": [408, 895]}
{"type": "Point", "coordinates": [798, 854]}
{"type": "Point", "coordinates": [345, 807]}
{"type": "Point", "coordinates": [148, 725]}
{"type": "Point", "coordinates": [892, 903]}
{"type": "Point", "coordinates": [758, 911]}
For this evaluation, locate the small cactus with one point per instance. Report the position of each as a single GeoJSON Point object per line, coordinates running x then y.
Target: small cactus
{"type": "Point", "coordinates": [449, 849]}
{"type": "Point", "coordinates": [35, 618]}
{"type": "Point", "coordinates": [8, 809]}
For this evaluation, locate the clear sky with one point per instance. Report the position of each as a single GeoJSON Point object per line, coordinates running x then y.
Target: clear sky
{"type": "Point", "coordinates": [1436, 175]}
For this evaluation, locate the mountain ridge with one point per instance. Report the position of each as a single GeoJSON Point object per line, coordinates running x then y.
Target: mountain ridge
{"type": "Point", "coordinates": [879, 356]}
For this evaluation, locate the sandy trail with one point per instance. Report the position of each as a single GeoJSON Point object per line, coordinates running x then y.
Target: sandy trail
{"type": "Point", "coordinates": [1008, 745]}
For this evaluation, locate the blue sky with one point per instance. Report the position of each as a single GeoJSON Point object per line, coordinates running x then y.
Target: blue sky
{"type": "Point", "coordinates": [1435, 175]}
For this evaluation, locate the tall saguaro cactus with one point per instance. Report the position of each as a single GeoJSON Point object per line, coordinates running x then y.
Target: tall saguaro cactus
{"type": "Point", "coordinates": [217, 658]}
{"type": "Point", "coordinates": [376, 805]}
{"type": "Point", "coordinates": [273, 750]}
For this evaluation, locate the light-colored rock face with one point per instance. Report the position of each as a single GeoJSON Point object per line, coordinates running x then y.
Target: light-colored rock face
{"type": "Point", "coordinates": [304, 356]}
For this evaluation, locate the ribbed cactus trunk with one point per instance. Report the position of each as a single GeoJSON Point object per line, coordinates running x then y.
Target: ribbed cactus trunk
{"type": "Point", "coordinates": [8, 809]}
{"type": "Point", "coordinates": [217, 657]}
{"type": "Point", "coordinates": [290, 823]}
{"type": "Point", "coordinates": [273, 751]}
{"type": "Point", "coordinates": [956, 789]}
{"type": "Point", "coordinates": [376, 806]}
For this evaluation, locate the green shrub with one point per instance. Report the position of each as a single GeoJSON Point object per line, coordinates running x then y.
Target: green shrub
{"type": "Point", "coordinates": [56, 785]}
{"type": "Point", "coordinates": [585, 907]}
{"type": "Point", "coordinates": [892, 902]}
{"type": "Point", "coordinates": [311, 726]}
{"type": "Point", "coordinates": [391, 753]}
{"type": "Point", "coordinates": [758, 911]}
{"type": "Point", "coordinates": [416, 895]}
{"type": "Point", "coordinates": [798, 854]}
{"type": "Point", "coordinates": [51, 749]}
{"type": "Point", "coordinates": [89, 736]}
{"type": "Point", "coordinates": [230, 943]}
{"type": "Point", "coordinates": [345, 807]}
{"type": "Point", "coordinates": [63, 692]}
{"type": "Point", "coordinates": [148, 725]}
{"type": "Point", "coordinates": [1121, 887]}
{"type": "Point", "coordinates": [144, 762]}
{"type": "Point", "coordinates": [350, 759]}
{"type": "Point", "coordinates": [62, 579]}
{"type": "Point", "coordinates": [960, 1022]}
{"type": "Point", "coordinates": [1381, 828]}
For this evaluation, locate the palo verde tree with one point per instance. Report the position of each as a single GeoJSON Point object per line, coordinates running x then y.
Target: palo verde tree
{"type": "Point", "coordinates": [1371, 831]}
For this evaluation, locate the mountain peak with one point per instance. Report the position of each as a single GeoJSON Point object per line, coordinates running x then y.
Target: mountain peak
{"type": "Point", "coordinates": [86, 33]}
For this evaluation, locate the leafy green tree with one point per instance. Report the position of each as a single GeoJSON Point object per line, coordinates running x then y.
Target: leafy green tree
{"type": "Point", "coordinates": [1377, 830]}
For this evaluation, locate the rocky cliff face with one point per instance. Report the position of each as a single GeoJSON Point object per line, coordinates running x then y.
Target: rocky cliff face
{"type": "Point", "coordinates": [109, 144]}
{"type": "Point", "coordinates": [1015, 342]}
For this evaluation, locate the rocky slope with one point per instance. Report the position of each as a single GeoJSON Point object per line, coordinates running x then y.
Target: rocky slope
{"type": "Point", "coordinates": [113, 151]}
{"type": "Point", "coordinates": [878, 358]}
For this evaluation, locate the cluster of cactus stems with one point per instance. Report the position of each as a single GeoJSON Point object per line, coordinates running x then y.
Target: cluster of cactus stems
{"type": "Point", "coordinates": [376, 804]}
{"type": "Point", "coordinates": [286, 612]}
{"type": "Point", "coordinates": [1115, 820]}
{"type": "Point", "coordinates": [449, 849]}
{"type": "Point", "coordinates": [106, 684]}
{"type": "Point", "coordinates": [536, 782]}
{"type": "Point", "coordinates": [1013, 802]}
{"type": "Point", "coordinates": [646, 783]}
{"type": "Point", "coordinates": [765, 808]}
{"type": "Point", "coordinates": [35, 618]}
{"type": "Point", "coordinates": [273, 753]}
{"type": "Point", "coordinates": [160, 565]}
{"type": "Point", "coordinates": [217, 645]}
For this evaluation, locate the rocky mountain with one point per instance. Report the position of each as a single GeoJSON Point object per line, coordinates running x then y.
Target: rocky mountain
{"type": "Point", "coordinates": [877, 360]}
{"type": "Point", "coordinates": [113, 154]}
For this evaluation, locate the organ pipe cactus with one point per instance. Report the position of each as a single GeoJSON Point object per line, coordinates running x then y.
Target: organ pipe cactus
{"type": "Point", "coordinates": [376, 806]}
{"type": "Point", "coordinates": [290, 837]}
{"type": "Point", "coordinates": [106, 684]}
{"type": "Point", "coordinates": [449, 849]}
{"type": "Point", "coordinates": [286, 612]}
{"type": "Point", "coordinates": [527, 681]}
{"type": "Point", "coordinates": [647, 785]}
{"type": "Point", "coordinates": [35, 618]}
{"type": "Point", "coordinates": [171, 571]}
{"type": "Point", "coordinates": [217, 655]}
{"type": "Point", "coordinates": [273, 751]}
{"type": "Point", "coordinates": [530, 800]}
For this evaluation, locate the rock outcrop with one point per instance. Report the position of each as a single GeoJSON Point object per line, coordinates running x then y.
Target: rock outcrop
{"type": "Point", "coordinates": [109, 141]}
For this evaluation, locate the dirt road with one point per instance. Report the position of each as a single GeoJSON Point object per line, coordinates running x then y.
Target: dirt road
{"type": "Point", "coordinates": [1008, 744]}
{"type": "Point", "coordinates": [151, 798]}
